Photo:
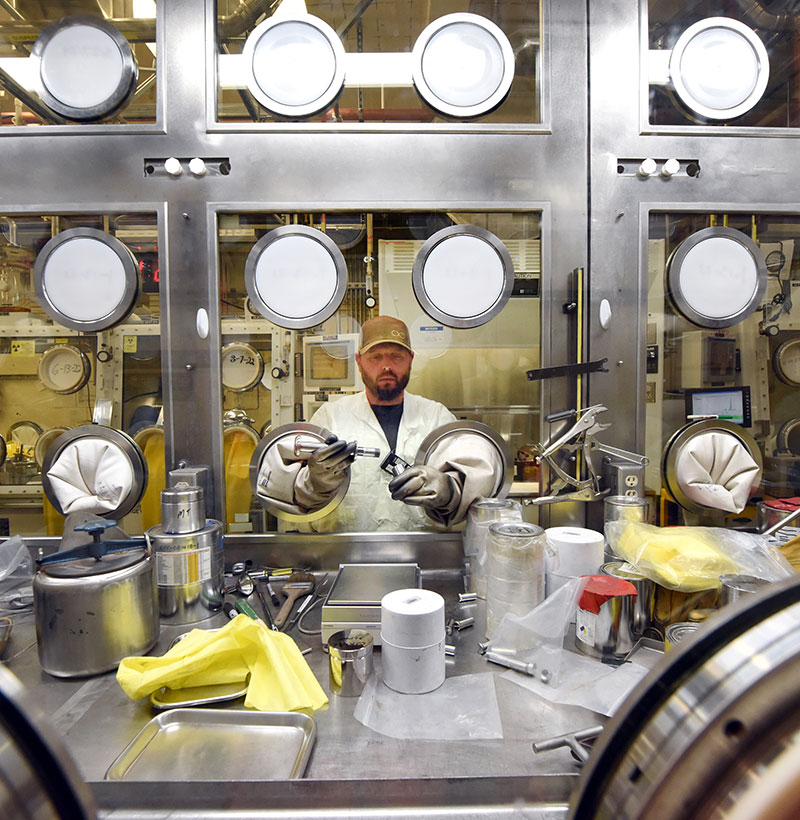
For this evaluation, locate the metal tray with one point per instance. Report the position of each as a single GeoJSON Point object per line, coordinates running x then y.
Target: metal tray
{"type": "Point", "coordinates": [218, 744]}
{"type": "Point", "coordinates": [166, 698]}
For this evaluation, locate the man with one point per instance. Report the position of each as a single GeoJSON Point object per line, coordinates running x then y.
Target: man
{"type": "Point", "coordinates": [387, 417]}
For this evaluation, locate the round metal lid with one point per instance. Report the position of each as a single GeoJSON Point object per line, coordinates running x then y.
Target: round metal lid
{"type": "Point", "coordinates": [182, 493]}
{"type": "Point", "coordinates": [123, 442]}
{"type": "Point", "coordinates": [291, 431]}
{"type": "Point", "coordinates": [786, 362]}
{"type": "Point", "coordinates": [64, 369]}
{"type": "Point", "coordinates": [463, 276]}
{"type": "Point", "coordinates": [515, 530]}
{"type": "Point", "coordinates": [242, 367]}
{"type": "Point", "coordinates": [682, 437]}
{"type": "Point", "coordinates": [295, 276]}
{"type": "Point", "coordinates": [86, 279]}
{"type": "Point", "coordinates": [457, 428]}
{"type": "Point", "coordinates": [89, 567]}
{"type": "Point", "coordinates": [87, 71]}
{"type": "Point", "coordinates": [719, 68]}
{"type": "Point", "coordinates": [463, 65]}
{"type": "Point", "coordinates": [717, 277]}
{"type": "Point", "coordinates": [295, 65]}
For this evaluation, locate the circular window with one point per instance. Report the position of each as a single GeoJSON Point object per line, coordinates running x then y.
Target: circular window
{"type": "Point", "coordinates": [86, 279]}
{"type": "Point", "coordinates": [717, 277]}
{"type": "Point", "coordinates": [463, 276]}
{"type": "Point", "coordinates": [242, 367]}
{"type": "Point", "coordinates": [296, 66]}
{"type": "Point", "coordinates": [463, 65]}
{"type": "Point", "coordinates": [719, 68]}
{"type": "Point", "coordinates": [86, 68]}
{"type": "Point", "coordinates": [64, 369]}
{"type": "Point", "coordinates": [295, 276]}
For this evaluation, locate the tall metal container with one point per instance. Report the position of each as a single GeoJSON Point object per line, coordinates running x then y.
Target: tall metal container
{"type": "Point", "coordinates": [189, 565]}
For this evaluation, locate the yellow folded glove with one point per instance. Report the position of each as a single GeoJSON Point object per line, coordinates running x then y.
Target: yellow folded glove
{"type": "Point", "coordinates": [280, 678]}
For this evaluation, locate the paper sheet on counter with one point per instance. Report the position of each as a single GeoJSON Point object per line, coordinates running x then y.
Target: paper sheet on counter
{"type": "Point", "coordinates": [462, 708]}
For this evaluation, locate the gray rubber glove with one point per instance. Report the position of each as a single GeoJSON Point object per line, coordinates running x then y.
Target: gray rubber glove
{"type": "Point", "coordinates": [422, 486]}
{"type": "Point", "coordinates": [327, 466]}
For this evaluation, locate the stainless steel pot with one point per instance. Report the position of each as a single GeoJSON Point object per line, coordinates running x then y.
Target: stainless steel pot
{"type": "Point", "coordinates": [90, 614]}
{"type": "Point", "coordinates": [189, 572]}
{"type": "Point", "coordinates": [183, 509]}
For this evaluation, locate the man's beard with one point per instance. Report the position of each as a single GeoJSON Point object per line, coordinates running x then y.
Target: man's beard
{"type": "Point", "coordinates": [390, 393]}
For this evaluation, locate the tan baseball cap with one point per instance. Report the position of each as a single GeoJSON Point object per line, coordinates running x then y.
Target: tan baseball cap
{"type": "Point", "coordinates": [383, 330]}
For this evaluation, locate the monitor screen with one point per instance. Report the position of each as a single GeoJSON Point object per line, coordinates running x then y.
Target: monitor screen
{"type": "Point", "coordinates": [724, 403]}
{"type": "Point", "coordinates": [329, 362]}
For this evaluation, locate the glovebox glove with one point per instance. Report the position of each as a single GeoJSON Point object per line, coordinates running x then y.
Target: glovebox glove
{"type": "Point", "coordinates": [422, 486]}
{"type": "Point", "coordinates": [327, 466]}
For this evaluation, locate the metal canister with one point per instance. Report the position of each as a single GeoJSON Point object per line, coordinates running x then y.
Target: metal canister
{"type": "Point", "coordinates": [672, 606]}
{"type": "Point", "coordinates": [90, 614]}
{"type": "Point", "coordinates": [183, 509]}
{"type": "Point", "coordinates": [604, 616]}
{"type": "Point", "coordinates": [642, 614]}
{"type": "Point", "coordinates": [350, 661]}
{"type": "Point", "coordinates": [189, 572]}
{"type": "Point", "coordinates": [739, 586]}
{"type": "Point", "coordinates": [675, 633]}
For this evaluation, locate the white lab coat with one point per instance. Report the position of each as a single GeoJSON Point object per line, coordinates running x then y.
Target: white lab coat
{"type": "Point", "coordinates": [470, 460]}
{"type": "Point", "coordinates": [368, 505]}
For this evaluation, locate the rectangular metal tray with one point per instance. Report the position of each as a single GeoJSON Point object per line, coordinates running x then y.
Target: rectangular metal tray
{"type": "Point", "coordinates": [218, 744]}
{"type": "Point", "coordinates": [366, 584]}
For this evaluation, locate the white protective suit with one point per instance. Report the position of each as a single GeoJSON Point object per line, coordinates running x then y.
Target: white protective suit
{"type": "Point", "coordinates": [368, 505]}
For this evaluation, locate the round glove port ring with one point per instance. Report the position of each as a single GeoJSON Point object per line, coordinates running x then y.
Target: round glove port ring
{"type": "Point", "coordinates": [786, 362]}
{"type": "Point", "coordinates": [272, 52]}
{"type": "Point", "coordinates": [716, 277]}
{"type": "Point", "coordinates": [446, 56]}
{"type": "Point", "coordinates": [45, 441]}
{"type": "Point", "coordinates": [64, 369]}
{"type": "Point", "coordinates": [683, 437]}
{"type": "Point", "coordinates": [463, 276]}
{"type": "Point", "coordinates": [295, 276]}
{"type": "Point", "coordinates": [702, 68]}
{"type": "Point", "coordinates": [86, 279]}
{"type": "Point", "coordinates": [87, 71]}
{"type": "Point", "coordinates": [280, 434]}
{"type": "Point", "coordinates": [242, 367]}
{"type": "Point", "coordinates": [471, 428]}
{"type": "Point", "coordinates": [123, 442]}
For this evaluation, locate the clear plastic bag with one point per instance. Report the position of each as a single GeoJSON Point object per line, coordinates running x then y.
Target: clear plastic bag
{"type": "Point", "coordinates": [16, 575]}
{"type": "Point", "coordinates": [693, 558]}
{"type": "Point", "coordinates": [538, 637]}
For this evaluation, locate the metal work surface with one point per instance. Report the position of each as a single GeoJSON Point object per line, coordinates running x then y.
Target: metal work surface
{"type": "Point", "coordinates": [486, 778]}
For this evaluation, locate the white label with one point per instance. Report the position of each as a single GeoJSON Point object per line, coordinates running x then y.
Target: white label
{"type": "Point", "coordinates": [174, 569]}
{"type": "Point", "coordinates": [585, 624]}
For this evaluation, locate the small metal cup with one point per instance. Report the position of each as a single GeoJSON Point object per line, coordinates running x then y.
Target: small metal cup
{"type": "Point", "coordinates": [739, 586]}
{"type": "Point", "coordinates": [349, 661]}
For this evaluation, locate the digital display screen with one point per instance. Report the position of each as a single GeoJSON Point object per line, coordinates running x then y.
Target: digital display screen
{"type": "Point", "coordinates": [724, 403]}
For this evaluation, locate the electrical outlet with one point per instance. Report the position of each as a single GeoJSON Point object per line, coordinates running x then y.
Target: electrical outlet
{"type": "Point", "coordinates": [631, 480]}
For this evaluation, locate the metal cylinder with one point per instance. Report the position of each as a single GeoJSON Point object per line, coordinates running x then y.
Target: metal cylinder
{"type": "Point", "coordinates": [350, 661]}
{"type": "Point", "coordinates": [604, 617]}
{"type": "Point", "coordinates": [189, 572]}
{"type": "Point", "coordinates": [183, 509]}
{"type": "Point", "coordinates": [642, 612]}
{"type": "Point", "coordinates": [738, 586]}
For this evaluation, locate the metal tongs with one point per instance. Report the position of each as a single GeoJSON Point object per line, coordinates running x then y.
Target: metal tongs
{"type": "Point", "coordinates": [580, 437]}
{"type": "Point", "coordinates": [96, 548]}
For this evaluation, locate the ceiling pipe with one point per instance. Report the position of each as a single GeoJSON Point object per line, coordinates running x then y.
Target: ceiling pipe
{"type": "Point", "coordinates": [242, 19]}
{"type": "Point", "coordinates": [761, 18]}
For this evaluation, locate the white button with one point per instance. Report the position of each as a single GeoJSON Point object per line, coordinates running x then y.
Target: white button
{"type": "Point", "coordinates": [670, 168]}
{"type": "Point", "coordinates": [202, 323]}
{"type": "Point", "coordinates": [605, 314]}
{"type": "Point", "coordinates": [173, 166]}
{"type": "Point", "coordinates": [647, 167]}
{"type": "Point", "coordinates": [197, 166]}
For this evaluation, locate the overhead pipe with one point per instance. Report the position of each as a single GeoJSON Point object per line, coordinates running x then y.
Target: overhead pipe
{"type": "Point", "coordinates": [761, 18]}
{"type": "Point", "coordinates": [38, 108]}
{"type": "Point", "coordinates": [242, 19]}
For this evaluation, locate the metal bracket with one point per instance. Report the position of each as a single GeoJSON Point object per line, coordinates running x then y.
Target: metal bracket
{"type": "Point", "coordinates": [567, 370]}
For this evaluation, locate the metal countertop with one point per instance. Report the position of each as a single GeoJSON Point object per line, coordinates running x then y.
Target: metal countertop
{"type": "Point", "coordinates": [487, 778]}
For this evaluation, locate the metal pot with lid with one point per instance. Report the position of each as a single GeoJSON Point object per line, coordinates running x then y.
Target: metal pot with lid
{"type": "Point", "coordinates": [94, 603]}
